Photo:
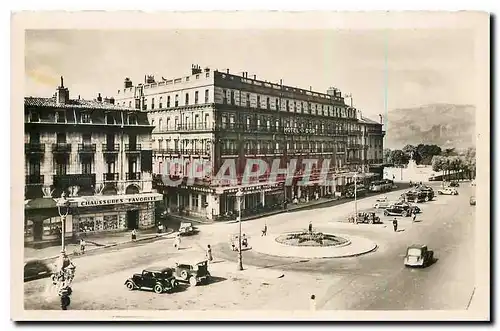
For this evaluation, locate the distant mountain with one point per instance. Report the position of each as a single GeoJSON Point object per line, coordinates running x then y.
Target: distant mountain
{"type": "Point", "coordinates": [445, 125]}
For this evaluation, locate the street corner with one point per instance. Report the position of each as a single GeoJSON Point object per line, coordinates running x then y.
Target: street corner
{"type": "Point", "coordinates": [347, 245]}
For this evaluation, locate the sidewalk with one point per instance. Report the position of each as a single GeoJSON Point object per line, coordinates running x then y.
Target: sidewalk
{"type": "Point", "coordinates": [93, 242]}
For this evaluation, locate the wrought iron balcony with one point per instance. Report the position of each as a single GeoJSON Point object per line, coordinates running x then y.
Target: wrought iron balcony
{"type": "Point", "coordinates": [110, 148]}
{"type": "Point", "coordinates": [229, 151]}
{"type": "Point", "coordinates": [34, 148]}
{"type": "Point", "coordinates": [82, 180]}
{"type": "Point", "coordinates": [129, 148]}
{"type": "Point", "coordinates": [133, 176]}
{"type": "Point", "coordinates": [61, 148]}
{"type": "Point", "coordinates": [86, 148]}
{"type": "Point", "coordinates": [36, 179]}
{"type": "Point", "coordinates": [110, 177]}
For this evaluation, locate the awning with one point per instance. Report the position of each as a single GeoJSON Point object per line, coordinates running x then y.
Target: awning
{"type": "Point", "coordinates": [40, 203]}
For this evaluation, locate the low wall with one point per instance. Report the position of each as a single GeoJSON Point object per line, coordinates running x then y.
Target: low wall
{"type": "Point", "coordinates": [414, 174]}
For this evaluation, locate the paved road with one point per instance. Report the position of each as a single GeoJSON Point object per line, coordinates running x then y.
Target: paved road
{"type": "Point", "coordinates": [374, 281]}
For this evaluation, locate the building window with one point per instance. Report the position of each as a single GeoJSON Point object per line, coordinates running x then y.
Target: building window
{"type": "Point", "coordinates": [87, 166]}
{"type": "Point", "coordinates": [152, 103]}
{"type": "Point", "coordinates": [137, 104]}
{"type": "Point", "coordinates": [176, 123]}
{"type": "Point", "coordinates": [60, 116]}
{"type": "Point", "coordinates": [61, 138]}
{"type": "Point", "coordinates": [287, 105]}
{"type": "Point", "coordinates": [85, 118]}
{"type": "Point", "coordinates": [160, 125]}
{"type": "Point", "coordinates": [160, 104]}
{"type": "Point", "coordinates": [168, 101]}
{"type": "Point", "coordinates": [34, 117]}
{"type": "Point", "coordinates": [206, 120]}
{"type": "Point", "coordinates": [224, 96]}
{"type": "Point", "coordinates": [268, 103]}
{"type": "Point", "coordinates": [110, 119]}
{"type": "Point", "coordinates": [248, 100]}
{"type": "Point", "coordinates": [196, 97]}
{"type": "Point", "coordinates": [232, 97]}
{"type": "Point", "coordinates": [186, 99]}
{"type": "Point", "coordinates": [176, 100]}
{"type": "Point", "coordinates": [167, 126]}
{"type": "Point", "coordinates": [132, 120]}
{"type": "Point", "coordinates": [258, 101]}
{"type": "Point", "coordinates": [277, 104]}
{"type": "Point", "coordinates": [61, 166]}
{"type": "Point", "coordinates": [206, 96]}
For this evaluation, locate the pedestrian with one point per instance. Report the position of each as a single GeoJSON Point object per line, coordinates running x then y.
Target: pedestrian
{"type": "Point", "coordinates": [177, 242]}
{"type": "Point", "coordinates": [393, 177]}
{"type": "Point", "coordinates": [82, 246]}
{"type": "Point", "coordinates": [414, 216]}
{"type": "Point", "coordinates": [310, 227]}
{"type": "Point", "coordinates": [134, 235]}
{"type": "Point", "coordinates": [312, 302]}
{"type": "Point", "coordinates": [264, 232]}
{"type": "Point", "coordinates": [395, 224]}
{"type": "Point", "coordinates": [160, 228]}
{"type": "Point", "coordinates": [210, 258]}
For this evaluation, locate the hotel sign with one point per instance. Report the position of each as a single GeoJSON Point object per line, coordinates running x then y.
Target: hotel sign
{"type": "Point", "coordinates": [117, 199]}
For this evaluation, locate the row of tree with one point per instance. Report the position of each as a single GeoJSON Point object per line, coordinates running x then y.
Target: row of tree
{"type": "Point", "coordinates": [447, 161]}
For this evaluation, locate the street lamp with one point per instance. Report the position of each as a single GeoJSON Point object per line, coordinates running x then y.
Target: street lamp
{"type": "Point", "coordinates": [355, 196]}
{"type": "Point", "coordinates": [63, 210]}
{"type": "Point", "coordinates": [239, 195]}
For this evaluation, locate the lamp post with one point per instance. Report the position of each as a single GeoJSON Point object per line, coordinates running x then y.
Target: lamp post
{"type": "Point", "coordinates": [239, 195]}
{"type": "Point", "coordinates": [63, 210]}
{"type": "Point", "coordinates": [355, 196]}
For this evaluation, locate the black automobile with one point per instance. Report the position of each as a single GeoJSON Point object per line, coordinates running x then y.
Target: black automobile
{"type": "Point", "coordinates": [413, 208]}
{"type": "Point", "coordinates": [454, 183]}
{"type": "Point", "coordinates": [427, 190]}
{"type": "Point", "coordinates": [415, 196]}
{"type": "Point", "coordinates": [157, 279]}
{"type": "Point", "coordinates": [36, 269]}
{"type": "Point", "coordinates": [397, 210]}
{"type": "Point", "coordinates": [193, 272]}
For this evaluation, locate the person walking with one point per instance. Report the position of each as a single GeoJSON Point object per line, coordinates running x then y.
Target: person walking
{"type": "Point", "coordinates": [264, 231]}
{"type": "Point", "coordinates": [177, 242]}
{"type": "Point", "coordinates": [312, 303]}
{"type": "Point", "coordinates": [82, 246]}
{"type": "Point", "coordinates": [209, 256]}
{"type": "Point", "coordinates": [414, 216]}
{"type": "Point", "coordinates": [134, 235]}
{"type": "Point", "coordinates": [310, 227]}
{"type": "Point", "coordinates": [395, 224]}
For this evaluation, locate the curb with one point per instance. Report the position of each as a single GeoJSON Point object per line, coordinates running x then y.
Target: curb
{"type": "Point", "coordinates": [325, 257]}
{"type": "Point", "coordinates": [107, 246]}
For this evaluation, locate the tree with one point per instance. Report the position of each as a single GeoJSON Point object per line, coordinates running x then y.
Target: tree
{"type": "Point", "coordinates": [427, 152]}
{"type": "Point", "coordinates": [449, 152]}
{"type": "Point", "coordinates": [397, 156]}
{"type": "Point", "coordinates": [387, 155]}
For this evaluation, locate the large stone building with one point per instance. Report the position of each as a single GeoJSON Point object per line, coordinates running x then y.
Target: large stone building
{"type": "Point", "coordinates": [214, 116]}
{"type": "Point", "coordinates": [98, 154]}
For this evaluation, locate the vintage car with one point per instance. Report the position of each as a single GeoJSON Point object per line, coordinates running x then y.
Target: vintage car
{"type": "Point", "coordinates": [360, 191]}
{"type": "Point", "coordinates": [428, 190]}
{"type": "Point", "coordinates": [158, 279]}
{"type": "Point", "coordinates": [398, 210]}
{"type": "Point", "coordinates": [234, 242]}
{"type": "Point", "coordinates": [418, 256]}
{"type": "Point", "coordinates": [413, 208]}
{"type": "Point", "coordinates": [415, 196]}
{"type": "Point", "coordinates": [193, 273]}
{"type": "Point", "coordinates": [380, 186]}
{"type": "Point", "coordinates": [453, 183]}
{"type": "Point", "coordinates": [447, 191]}
{"type": "Point", "coordinates": [472, 200]}
{"type": "Point", "coordinates": [369, 218]}
{"type": "Point", "coordinates": [381, 202]}
{"type": "Point", "coordinates": [36, 269]}
{"type": "Point", "coordinates": [187, 228]}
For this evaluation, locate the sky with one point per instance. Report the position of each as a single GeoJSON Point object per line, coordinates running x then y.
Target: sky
{"type": "Point", "coordinates": [408, 67]}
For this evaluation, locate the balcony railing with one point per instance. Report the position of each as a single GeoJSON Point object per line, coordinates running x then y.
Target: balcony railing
{"type": "Point", "coordinates": [34, 179]}
{"type": "Point", "coordinates": [133, 176]}
{"type": "Point", "coordinates": [229, 151]}
{"type": "Point", "coordinates": [110, 177]}
{"type": "Point", "coordinates": [61, 148]}
{"type": "Point", "coordinates": [110, 148]}
{"type": "Point", "coordinates": [86, 148]}
{"type": "Point", "coordinates": [34, 148]}
{"type": "Point", "coordinates": [186, 151]}
{"type": "Point", "coordinates": [132, 148]}
{"type": "Point", "coordinates": [82, 180]}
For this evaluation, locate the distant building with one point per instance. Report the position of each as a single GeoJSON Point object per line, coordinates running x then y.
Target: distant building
{"type": "Point", "coordinates": [213, 115]}
{"type": "Point", "coordinates": [98, 153]}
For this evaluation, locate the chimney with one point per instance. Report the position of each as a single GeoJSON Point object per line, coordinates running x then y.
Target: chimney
{"type": "Point", "coordinates": [227, 70]}
{"type": "Point", "coordinates": [310, 88]}
{"type": "Point", "coordinates": [112, 100]}
{"type": "Point", "coordinates": [380, 116]}
{"type": "Point", "coordinates": [62, 94]}
{"type": "Point", "coordinates": [99, 98]}
{"type": "Point", "coordinates": [254, 77]}
{"type": "Point", "coordinates": [78, 96]}
{"type": "Point", "coordinates": [128, 83]}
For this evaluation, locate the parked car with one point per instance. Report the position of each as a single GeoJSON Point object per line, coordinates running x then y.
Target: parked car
{"type": "Point", "coordinates": [360, 191]}
{"type": "Point", "coordinates": [36, 269]}
{"type": "Point", "coordinates": [413, 208]}
{"type": "Point", "coordinates": [187, 228]}
{"type": "Point", "coordinates": [193, 273]}
{"type": "Point", "coordinates": [447, 191]}
{"type": "Point", "coordinates": [380, 186]}
{"type": "Point", "coordinates": [157, 279]}
{"type": "Point", "coordinates": [381, 202]}
{"type": "Point", "coordinates": [453, 183]}
{"type": "Point", "coordinates": [397, 210]}
{"type": "Point", "coordinates": [472, 200]}
{"type": "Point", "coordinates": [415, 196]}
{"type": "Point", "coordinates": [418, 256]}
{"type": "Point", "coordinates": [427, 190]}
{"type": "Point", "coordinates": [369, 218]}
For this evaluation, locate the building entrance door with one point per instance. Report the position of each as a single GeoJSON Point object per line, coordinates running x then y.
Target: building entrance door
{"type": "Point", "coordinates": [132, 219]}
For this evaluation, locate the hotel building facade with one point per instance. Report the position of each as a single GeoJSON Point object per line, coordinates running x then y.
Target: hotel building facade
{"type": "Point", "coordinates": [215, 115]}
{"type": "Point", "coordinates": [97, 153]}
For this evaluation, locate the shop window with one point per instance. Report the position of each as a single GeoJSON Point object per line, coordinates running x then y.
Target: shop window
{"type": "Point", "coordinates": [86, 224]}
{"type": "Point", "coordinates": [110, 222]}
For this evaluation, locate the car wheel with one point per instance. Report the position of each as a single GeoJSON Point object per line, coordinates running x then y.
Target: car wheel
{"type": "Point", "coordinates": [375, 206]}
{"type": "Point", "coordinates": [416, 200]}
{"type": "Point", "coordinates": [192, 281]}
{"type": "Point", "coordinates": [405, 214]}
{"type": "Point", "coordinates": [173, 283]}
{"type": "Point", "coordinates": [158, 288]}
{"type": "Point", "coordinates": [386, 213]}
{"type": "Point", "coordinates": [426, 198]}
{"type": "Point", "coordinates": [184, 275]}
{"type": "Point", "coordinates": [130, 285]}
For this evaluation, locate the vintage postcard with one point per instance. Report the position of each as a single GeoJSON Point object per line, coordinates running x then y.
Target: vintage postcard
{"type": "Point", "coordinates": [251, 166]}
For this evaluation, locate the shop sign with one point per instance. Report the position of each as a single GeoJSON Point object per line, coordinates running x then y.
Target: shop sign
{"type": "Point", "coordinates": [117, 199]}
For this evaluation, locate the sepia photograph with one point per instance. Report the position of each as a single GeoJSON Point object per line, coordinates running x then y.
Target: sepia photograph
{"type": "Point", "coordinates": [251, 166]}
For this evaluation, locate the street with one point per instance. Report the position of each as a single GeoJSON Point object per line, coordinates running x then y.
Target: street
{"type": "Point", "coordinates": [375, 281]}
